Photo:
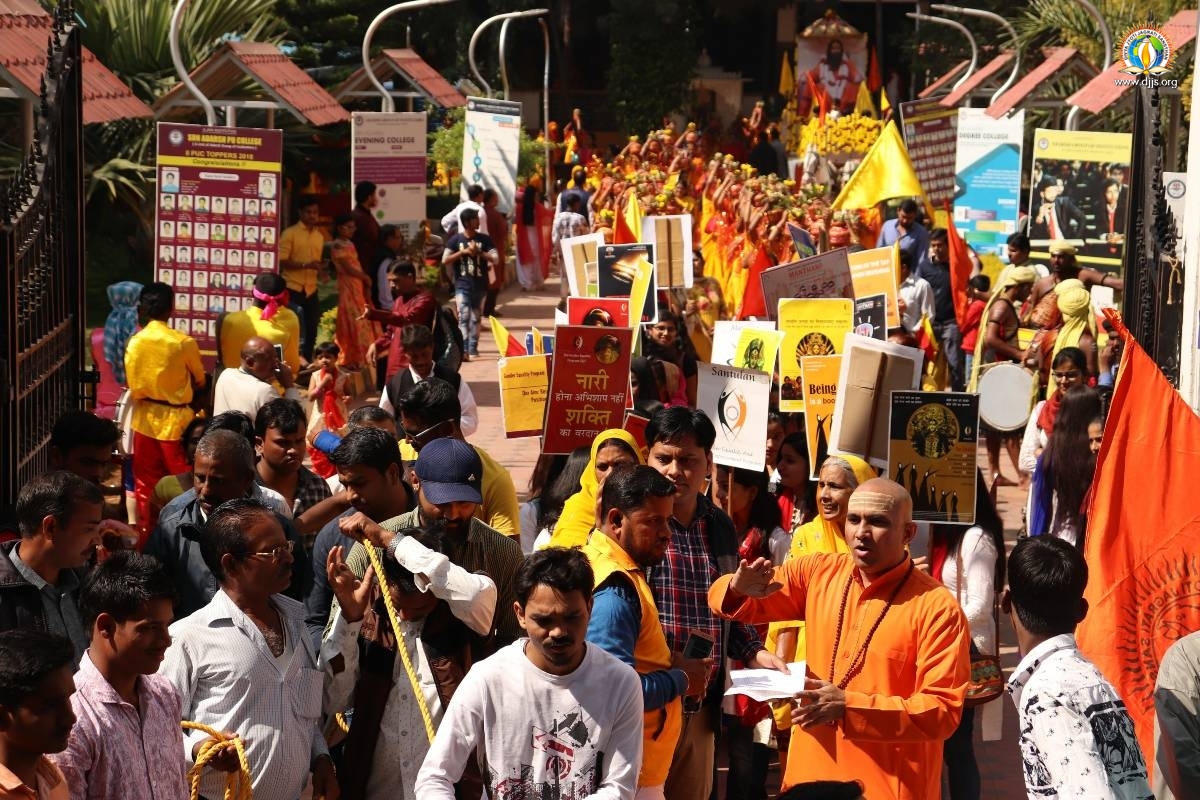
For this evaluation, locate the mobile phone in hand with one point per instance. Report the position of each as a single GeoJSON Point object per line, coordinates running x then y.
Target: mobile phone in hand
{"type": "Point", "coordinates": [698, 645]}
{"type": "Point", "coordinates": [278, 353]}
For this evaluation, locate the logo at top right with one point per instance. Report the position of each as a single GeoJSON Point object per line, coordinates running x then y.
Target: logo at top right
{"type": "Point", "coordinates": [1145, 51]}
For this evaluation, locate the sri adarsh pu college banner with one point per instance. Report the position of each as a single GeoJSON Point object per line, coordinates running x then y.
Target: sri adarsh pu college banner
{"type": "Point", "coordinates": [389, 151]}
{"type": "Point", "coordinates": [491, 141]}
{"type": "Point", "coordinates": [216, 220]}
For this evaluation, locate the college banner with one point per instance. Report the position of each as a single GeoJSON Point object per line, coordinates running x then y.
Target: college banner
{"type": "Point", "coordinates": [824, 275]}
{"type": "Point", "coordinates": [929, 135]}
{"type": "Point", "coordinates": [820, 398]}
{"type": "Point", "coordinates": [874, 272]}
{"type": "Point", "coordinates": [737, 401]}
{"type": "Point", "coordinates": [216, 220]}
{"type": "Point", "coordinates": [589, 385]}
{"type": "Point", "coordinates": [388, 149]}
{"type": "Point", "coordinates": [1079, 191]}
{"type": "Point", "coordinates": [932, 453]}
{"type": "Point", "coordinates": [811, 327]}
{"type": "Point", "coordinates": [988, 183]}
{"type": "Point", "coordinates": [491, 144]}
{"type": "Point", "coordinates": [524, 383]}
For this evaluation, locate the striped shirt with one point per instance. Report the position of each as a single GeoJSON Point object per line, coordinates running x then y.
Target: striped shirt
{"type": "Point", "coordinates": [117, 750]}
{"type": "Point", "coordinates": [229, 679]}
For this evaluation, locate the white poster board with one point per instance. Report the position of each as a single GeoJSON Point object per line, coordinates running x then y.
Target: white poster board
{"type": "Point", "coordinates": [491, 145]}
{"type": "Point", "coordinates": [389, 150]}
{"type": "Point", "coordinates": [737, 401]}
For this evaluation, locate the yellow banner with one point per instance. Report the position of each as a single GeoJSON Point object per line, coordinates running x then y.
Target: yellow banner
{"type": "Point", "coordinates": [524, 384]}
{"type": "Point", "coordinates": [218, 163]}
{"type": "Point", "coordinates": [811, 327]}
{"type": "Point", "coordinates": [820, 398]}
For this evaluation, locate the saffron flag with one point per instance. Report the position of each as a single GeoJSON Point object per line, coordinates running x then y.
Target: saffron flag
{"type": "Point", "coordinates": [884, 173]}
{"type": "Point", "coordinates": [506, 343]}
{"type": "Point", "coordinates": [1143, 553]}
{"type": "Point", "coordinates": [628, 227]}
{"type": "Point", "coordinates": [960, 271]}
{"type": "Point", "coordinates": [874, 79]}
{"type": "Point", "coordinates": [753, 304]}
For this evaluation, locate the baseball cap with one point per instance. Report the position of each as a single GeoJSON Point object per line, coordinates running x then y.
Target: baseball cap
{"type": "Point", "coordinates": [450, 472]}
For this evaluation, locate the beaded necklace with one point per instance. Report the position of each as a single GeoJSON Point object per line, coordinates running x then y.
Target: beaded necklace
{"type": "Point", "coordinates": [859, 657]}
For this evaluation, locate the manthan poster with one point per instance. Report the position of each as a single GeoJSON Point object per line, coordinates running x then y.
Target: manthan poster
{"type": "Point", "coordinates": [824, 275]}
{"type": "Point", "coordinates": [811, 327]}
{"type": "Point", "coordinates": [589, 385]}
{"type": "Point", "coordinates": [929, 135]}
{"type": "Point", "coordinates": [737, 401]}
{"type": "Point", "coordinates": [491, 141]}
{"type": "Point", "coordinates": [389, 151]}
{"type": "Point", "coordinates": [1079, 192]}
{"type": "Point", "coordinates": [932, 453]}
{"type": "Point", "coordinates": [988, 183]}
{"type": "Point", "coordinates": [216, 220]}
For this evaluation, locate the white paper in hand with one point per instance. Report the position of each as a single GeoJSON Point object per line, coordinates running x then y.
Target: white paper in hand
{"type": "Point", "coordinates": [767, 684]}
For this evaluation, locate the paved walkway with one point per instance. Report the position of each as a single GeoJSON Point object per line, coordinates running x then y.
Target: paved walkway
{"type": "Point", "coordinates": [999, 761]}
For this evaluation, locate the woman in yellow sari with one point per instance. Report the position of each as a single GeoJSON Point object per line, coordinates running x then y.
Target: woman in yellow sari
{"type": "Point", "coordinates": [610, 448]}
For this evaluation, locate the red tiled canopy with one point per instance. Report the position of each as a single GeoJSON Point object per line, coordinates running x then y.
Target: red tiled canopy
{"type": "Point", "coordinates": [414, 70]}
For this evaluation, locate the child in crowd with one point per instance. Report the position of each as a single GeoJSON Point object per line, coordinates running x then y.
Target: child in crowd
{"type": "Point", "coordinates": [35, 713]}
{"type": "Point", "coordinates": [328, 394]}
{"type": "Point", "coordinates": [126, 742]}
{"type": "Point", "coordinates": [978, 288]}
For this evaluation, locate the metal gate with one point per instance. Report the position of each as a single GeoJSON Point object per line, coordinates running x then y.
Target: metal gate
{"type": "Point", "coordinates": [42, 290]}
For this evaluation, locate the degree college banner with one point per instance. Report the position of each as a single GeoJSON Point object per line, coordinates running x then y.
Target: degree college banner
{"type": "Point", "coordinates": [987, 193]}
{"type": "Point", "coordinates": [389, 151]}
{"type": "Point", "coordinates": [216, 221]}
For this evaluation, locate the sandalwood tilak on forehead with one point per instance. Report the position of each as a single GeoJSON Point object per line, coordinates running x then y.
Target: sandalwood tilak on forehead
{"type": "Point", "coordinates": [871, 502]}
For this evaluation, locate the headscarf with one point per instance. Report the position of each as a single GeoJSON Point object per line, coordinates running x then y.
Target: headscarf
{"type": "Point", "coordinates": [121, 324]}
{"type": "Point", "coordinates": [273, 302]}
{"type": "Point", "coordinates": [1012, 276]}
{"type": "Point", "coordinates": [578, 517]}
{"type": "Point", "coordinates": [1075, 305]}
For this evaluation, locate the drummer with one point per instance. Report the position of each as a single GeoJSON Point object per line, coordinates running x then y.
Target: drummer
{"type": "Point", "coordinates": [1000, 343]}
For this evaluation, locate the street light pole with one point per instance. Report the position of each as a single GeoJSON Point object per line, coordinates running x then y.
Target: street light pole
{"type": "Point", "coordinates": [999, 20]}
{"type": "Point", "coordinates": [389, 104]}
{"type": "Point", "coordinates": [958, 26]}
{"type": "Point", "coordinates": [210, 113]}
{"type": "Point", "coordinates": [487, 90]}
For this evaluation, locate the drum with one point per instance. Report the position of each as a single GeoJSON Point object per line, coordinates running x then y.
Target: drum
{"type": "Point", "coordinates": [1006, 395]}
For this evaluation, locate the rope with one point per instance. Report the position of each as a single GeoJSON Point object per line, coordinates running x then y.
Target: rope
{"type": "Point", "coordinates": [401, 647]}
{"type": "Point", "coordinates": [237, 784]}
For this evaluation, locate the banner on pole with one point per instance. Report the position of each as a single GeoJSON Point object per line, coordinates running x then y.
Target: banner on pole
{"type": "Point", "coordinates": [929, 135]}
{"type": "Point", "coordinates": [524, 383]}
{"type": "Point", "coordinates": [491, 145]}
{"type": "Point", "coordinates": [389, 151]}
{"type": "Point", "coordinates": [987, 164]}
{"type": "Point", "coordinates": [737, 401]}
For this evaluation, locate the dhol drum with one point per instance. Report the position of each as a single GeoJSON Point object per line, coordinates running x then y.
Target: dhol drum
{"type": "Point", "coordinates": [1006, 396]}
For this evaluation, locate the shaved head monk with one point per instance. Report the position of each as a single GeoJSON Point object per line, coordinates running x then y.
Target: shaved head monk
{"type": "Point", "coordinates": [888, 656]}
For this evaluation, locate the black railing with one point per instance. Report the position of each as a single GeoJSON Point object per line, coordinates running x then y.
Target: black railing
{"type": "Point", "coordinates": [42, 287]}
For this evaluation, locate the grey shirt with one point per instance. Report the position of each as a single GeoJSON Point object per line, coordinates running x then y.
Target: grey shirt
{"type": "Point", "coordinates": [60, 603]}
{"type": "Point", "coordinates": [1177, 722]}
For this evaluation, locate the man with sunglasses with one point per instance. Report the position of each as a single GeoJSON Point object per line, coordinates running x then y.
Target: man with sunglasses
{"type": "Point", "coordinates": [430, 411]}
{"type": "Point", "coordinates": [244, 665]}
{"type": "Point", "coordinates": [223, 471]}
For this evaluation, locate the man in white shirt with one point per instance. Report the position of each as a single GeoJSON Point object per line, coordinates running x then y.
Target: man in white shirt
{"type": "Point", "coordinates": [1077, 739]}
{"type": "Point", "coordinates": [243, 664]}
{"type": "Point", "coordinates": [417, 343]}
{"type": "Point", "coordinates": [916, 295]}
{"type": "Point", "coordinates": [248, 388]}
{"type": "Point", "coordinates": [452, 222]}
{"type": "Point", "coordinates": [548, 715]}
{"type": "Point", "coordinates": [442, 607]}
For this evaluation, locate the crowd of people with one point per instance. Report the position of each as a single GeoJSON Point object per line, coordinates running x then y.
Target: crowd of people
{"type": "Point", "coordinates": [312, 591]}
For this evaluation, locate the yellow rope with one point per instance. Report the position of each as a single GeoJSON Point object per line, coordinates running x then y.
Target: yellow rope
{"type": "Point", "coordinates": [401, 648]}
{"type": "Point", "coordinates": [237, 784]}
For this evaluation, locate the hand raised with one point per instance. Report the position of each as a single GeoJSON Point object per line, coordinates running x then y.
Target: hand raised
{"type": "Point", "coordinates": [353, 595]}
{"type": "Point", "coordinates": [755, 579]}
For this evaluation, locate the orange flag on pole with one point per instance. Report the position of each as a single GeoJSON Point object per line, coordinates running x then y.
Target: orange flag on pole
{"type": "Point", "coordinates": [628, 225]}
{"type": "Point", "coordinates": [1143, 535]}
{"type": "Point", "coordinates": [753, 302]}
{"type": "Point", "coordinates": [506, 343]}
{"type": "Point", "coordinates": [960, 270]}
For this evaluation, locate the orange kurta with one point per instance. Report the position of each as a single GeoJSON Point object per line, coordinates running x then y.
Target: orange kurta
{"type": "Point", "coordinates": [907, 698]}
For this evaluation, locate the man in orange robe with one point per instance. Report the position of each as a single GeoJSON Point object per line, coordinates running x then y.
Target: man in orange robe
{"type": "Point", "coordinates": [888, 659]}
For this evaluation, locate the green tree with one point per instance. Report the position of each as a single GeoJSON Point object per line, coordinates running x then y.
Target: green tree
{"type": "Point", "coordinates": [654, 51]}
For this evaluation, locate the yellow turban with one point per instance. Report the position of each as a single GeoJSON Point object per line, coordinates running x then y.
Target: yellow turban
{"type": "Point", "coordinates": [1060, 248]}
{"type": "Point", "coordinates": [1019, 275]}
{"type": "Point", "coordinates": [1075, 303]}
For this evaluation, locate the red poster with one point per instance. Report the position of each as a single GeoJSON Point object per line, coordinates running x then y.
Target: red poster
{"type": "Point", "coordinates": [589, 384]}
{"type": "Point", "coordinates": [217, 220]}
{"type": "Point", "coordinates": [604, 312]}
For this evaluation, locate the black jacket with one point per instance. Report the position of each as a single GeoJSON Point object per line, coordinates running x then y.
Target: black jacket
{"type": "Point", "coordinates": [20, 601]}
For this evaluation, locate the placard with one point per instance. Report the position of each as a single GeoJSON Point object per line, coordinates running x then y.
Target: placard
{"type": "Point", "coordinates": [824, 275]}
{"type": "Point", "coordinates": [627, 270]}
{"type": "Point", "coordinates": [671, 240]}
{"type": "Point", "coordinates": [604, 312]}
{"type": "Point", "coordinates": [871, 371]}
{"type": "Point", "coordinates": [589, 385]}
{"type": "Point", "coordinates": [491, 145]}
{"type": "Point", "coordinates": [933, 451]}
{"type": "Point", "coordinates": [874, 272]}
{"type": "Point", "coordinates": [870, 317]}
{"type": "Point", "coordinates": [813, 327]}
{"type": "Point", "coordinates": [581, 255]}
{"type": "Point", "coordinates": [216, 221]}
{"type": "Point", "coordinates": [820, 399]}
{"type": "Point", "coordinates": [524, 384]}
{"type": "Point", "coordinates": [987, 164]}
{"type": "Point", "coordinates": [388, 149]}
{"type": "Point", "coordinates": [726, 335]}
{"type": "Point", "coordinates": [737, 401]}
{"type": "Point", "coordinates": [757, 350]}
{"type": "Point", "coordinates": [930, 134]}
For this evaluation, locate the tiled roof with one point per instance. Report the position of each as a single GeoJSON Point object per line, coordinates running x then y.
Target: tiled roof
{"type": "Point", "coordinates": [24, 33]}
{"type": "Point", "coordinates": [278, 76]}
{"type": "Point", "coordinates": [1056, 60]}
{"type": "Point", "coordinates": [414, 70]}
{"type": "Point", "coordinates": [977, 79]}
{"type": "Point", "coordinates": [1102, 91]}
{"type": "Point", "coordinates": [940, 84]}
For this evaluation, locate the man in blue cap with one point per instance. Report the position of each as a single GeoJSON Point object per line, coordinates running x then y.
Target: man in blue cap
{"type": "Point", "coordinates": [446, 478]}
